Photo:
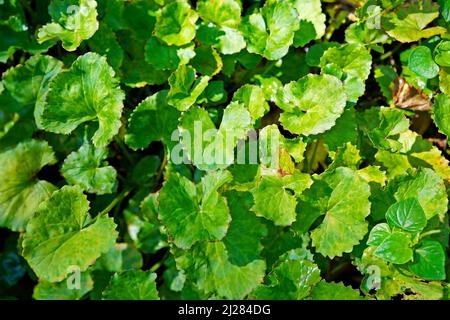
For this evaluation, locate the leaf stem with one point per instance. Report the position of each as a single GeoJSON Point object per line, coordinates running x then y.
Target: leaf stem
{"type": "Point", "coordinates": [158, 264]}
{"type": "Point", "coordinates": [313, 156]}
{"type": "Point", "coordinates": [115, 201]}
{"type": "Point", "coordinates": [390, 53]}
{"type": "Point", "coordinates": [162, 166]}
{"type": "Point", "coordinates": [429, 233]}
{"type": "Point", "coordinates": [124, 150]}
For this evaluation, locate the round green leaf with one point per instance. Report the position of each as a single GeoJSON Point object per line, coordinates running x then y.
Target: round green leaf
{"type": "Point", "coordinates": [421, 62]}
{"type": "Point", "coordinates": [312, 104]}
{"type": "Point", "coordinates": [224, 13]}
{"type": "Point", "coordinates": [86, 168]}
{"type": "Point", "coordinates": [441, 113]}
{"type": "Point", "coordinates": [442, 54]}
{"type": "Point", "coordinates": [21, 191]}
{"type": "Point", "coordinates": [429, 261]}
{"type": "Point", "coordinates": [407, 215]}
{"type": "Point", "coordinates": [395, 248]}
{"type": "Point", "coordinates": [73, 22]}
{"type": "Point", "coordinates": [343, 197]}
{"type": "Point", "coordinates": [175, 24]}
{"type": "Point", "coordinates": [59, 229]}
{"type": "Point", "coordinates": [87, 91]}
{"type": "Point", "coordinates": [152, 120]}
{"type": "Point", "coordinates": [203, 210]}
{"type": "Point", "coordinates": [132, 285]}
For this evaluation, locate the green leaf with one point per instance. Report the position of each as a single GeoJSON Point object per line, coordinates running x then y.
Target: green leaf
{"type": "Point", "coordinates": [65, 290]}
{"type": "Point", "coordinates": [312, 21]}
{"type": "Point", "coordinates": [243, 239]}
{"type": "Point", "coordinates": [382, 127]}
{"type": "Point", "coordinates": [202, 209]}
{"type": "Point", "coordinates": [208, 266]}
{"type": "Point", "coordinates": [312, 104]}
{"type": "Point", "coordinates": [207, 61]}
{"type": "Point", "coordinates": [444, 80]}
{"type": "Point", "coordinates": [444, 9]}
{"type": "Point", "coordinates": [407, 215]}
{"type": "Point", "coordinates": [152, 120]}
{"type": "Point", "coordinates": [334, 291]}
{"type": "Point", "coordinates": [409, 22]}
{"type": "Point", "coordinates": [60, 227]}
{"type": "Point", "coordinates": [226, 40]}
{"type": "Point", "coordinates": [345, 130]}
{"type": "Point", "coordinates": [132, 285]}
{"type": "Point", "coordinates": [414, 151]}
{"type": "Point", "coordinates": [252, 97]}
{"type": "Point", "coordinates": [88, 91]}
{"type": "Point", "coordinates": [290, 280]}
{"type": "Point", "coordinates": [185, 87]}
{"type": "Point", "coordinates": [214, 94]}
{"type": "Point", "coordinates": [105, 42]}
{"type": "Point", "coordinates": [29, 82]}
{"type": "Point", "coordinates": [351, 63]}
{"type": "Point", "coordinates": [378, 234]}
{"type": "Point", "coordinates": [441, 113]}
{"type": "Point", "coordinates": [342, 196]}
{"type": "Point", "coordinates": [87, 168]}
{"type": "Point", "coordinates": [429, 261]}
{"type": "Point", "coordinates": [270, 31]}
{"type": "Point", "coordinates": [316, 51]}
{"type": "Point", "coordinates": [346, 156]}
{"type": "Point", "coordinates": [72, 22]}
{"type": "Point", "coordinates": [421, 62]}
{"type": "Point", "coordinates": [442, 54]}
{"type": "Point", "coordinates": [175, 23]}
{"type": "Point", "coordinates": [274, 201]}
{"type": "Point", "coordinates": [161, 56]}
{"type": "Point", "coordinates": [21, 191]}
{"type": "Point", "coordinates": [209, 148]}
{"type": "Point", "coordinates": [426, 186]}
{"type": "Point", "coordinates": [395, 248]}
{"type": "Point", "coordinates": [385, 76]}
{"type": "Point", "coordinates": [224, 13]}
{"type": "Point", "coordinates": [363, 32]}
{"type": "Point", "coordinates": [373, 174]}
{"type": "Point", "coordinates": [121, 257]}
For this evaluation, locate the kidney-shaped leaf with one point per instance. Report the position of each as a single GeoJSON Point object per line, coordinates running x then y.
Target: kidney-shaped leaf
{"type": "Point", "coordinates": [88, 91]}
{"type": "Point", "coordinates": [21, 191]}
{"type": "Point", "coordinates": [62, 235]}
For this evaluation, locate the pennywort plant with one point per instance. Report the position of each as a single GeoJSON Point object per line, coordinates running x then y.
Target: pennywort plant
{"type": "Point", "coordinates": [224, 149]}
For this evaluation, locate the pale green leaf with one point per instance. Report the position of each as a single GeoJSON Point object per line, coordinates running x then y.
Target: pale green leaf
{"type": "Point", "coordinates": [132, 285]}
{"type": "Point", "coordinates": [175, 23]}
{"type": "Point", "coordinates": [21, 191]}
{"type": "Point", "coordinates": [185, 87]}
{"type": "Point", "coordinates": [270, 31]}
{"type": "Point", "coordinates": [202, 211]}
{"type": "Point", "coordinates": [343, 197]}
{"type": "Point", "coordinates": [60, 227]}
{"type": "Point", "coordinates": [88, 169]}
{"type": "Point", "coordinates": [86, 92]}
{"type": "Point", "coordinates": [312, 104]}
{"type": "Point", "coordinates": [351, 63]}
{"type": "Point", "coordinates": [409, 22]}
{"type": "Point", "coordinates": [72, 22]}
{"type": "Point", "coordinates": [208, 266]}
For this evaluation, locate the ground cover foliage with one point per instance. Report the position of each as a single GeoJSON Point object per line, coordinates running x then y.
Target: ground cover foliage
{"type": "Point", "coordinates": [98, 100]}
